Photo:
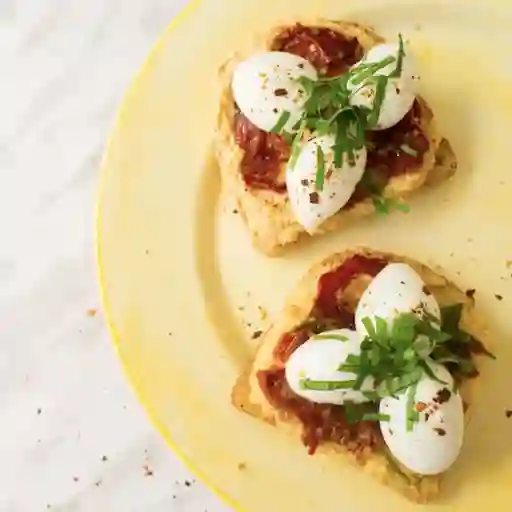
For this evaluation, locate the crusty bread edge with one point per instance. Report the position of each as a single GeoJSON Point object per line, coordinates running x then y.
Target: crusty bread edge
{"type": "Point", "coordinates": [248, 397]}
{"type": "Point", "coordinates": [267, 214]}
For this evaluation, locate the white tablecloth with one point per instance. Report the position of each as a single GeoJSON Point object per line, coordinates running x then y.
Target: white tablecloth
{"type": "Point", "coordinates": [72, 436]}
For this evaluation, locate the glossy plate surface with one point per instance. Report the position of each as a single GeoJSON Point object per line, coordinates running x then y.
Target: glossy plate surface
{"type": "Point", "coordinates": [184, 291]}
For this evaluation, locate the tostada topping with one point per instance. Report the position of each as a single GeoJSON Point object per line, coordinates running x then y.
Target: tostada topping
{"type": "Point", "coordinates": [322, 422]}
{"type": "Point", "coordinates": [327, 121]}
{"type": "Point", "coordinates": [387, 75]}
{"type": "Point", "coordinates": [404, 354]}
{"type": "Point", "coordinates": [326, 50]}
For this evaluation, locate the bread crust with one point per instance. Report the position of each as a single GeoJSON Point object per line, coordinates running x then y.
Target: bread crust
{"type": "Point", "coordinates": [267, 214]}
{"type": "Point", "coordinates": [248, 397]}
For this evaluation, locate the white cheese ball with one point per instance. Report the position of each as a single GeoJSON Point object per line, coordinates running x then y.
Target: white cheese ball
{"type": "Point", "coordinates": [434, 442]}
{"type": "Point", "coordinates": [318, 359]}
{"type": "Point", "coordinates": [396, 289]}
{"type": "Point", "coordinates": [400, 92]}
{"type": "Point", "coordinates": [265, 85]}
{"type": "Point", "coordinates": [310, 205]}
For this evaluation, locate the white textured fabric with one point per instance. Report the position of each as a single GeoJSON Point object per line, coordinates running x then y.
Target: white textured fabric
{"type": "Point", "coordinates": [72, 437]}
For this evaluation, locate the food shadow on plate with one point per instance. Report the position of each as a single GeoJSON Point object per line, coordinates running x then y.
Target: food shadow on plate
{"type": "Point", "coordinates": [488, 443]}
{"type": "Point", "coordinates": [218, 308]}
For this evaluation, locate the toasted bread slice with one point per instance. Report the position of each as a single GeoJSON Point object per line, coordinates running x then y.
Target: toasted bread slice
{"type": "Point", "coordinates": [267, 214]}
{"type": "Point", "coordinates": [248, 397]}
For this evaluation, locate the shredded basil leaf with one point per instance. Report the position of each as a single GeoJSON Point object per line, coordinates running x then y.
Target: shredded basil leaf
{"type": "Point", "coordinates": [367, 70]}
{"type": "Point", "coordinates": [400, 58]}
{"type": "Point", "coordinates": [337, 337]}
{"type": "Point", "coordinates": [320, 169]}
{"type": "Point", "coordinates": [281, 122]}
{"type": "Point", "coordinates": [297, 145]}
{"type": "Point", "coordinates": [380, 91]}
{"type": "Point", "coordinates": [411, 413]}
{"type": "Point", "coordinates": [374, 416]}
{"type": "Point", "coordinates": [326, 385]}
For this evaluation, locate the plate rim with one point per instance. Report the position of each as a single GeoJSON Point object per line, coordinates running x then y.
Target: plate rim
{"type": "Point", "coordinates": [180, 17]}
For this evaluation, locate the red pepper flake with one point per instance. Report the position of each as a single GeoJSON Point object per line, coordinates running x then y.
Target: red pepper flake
{"type": "Point", "coordinates": [280, 92]}
{"type": "Point", "coordinates": [440, 431]}
{"type": "Point", "coordinates": [498, 296]}
{"type": "Point", "coordinates": [314, 198]}
{"type": "Point", "coordinates": [421, 406]}
{"type": "Point", "coordinates": [508, 413]}
{"type": "Point", "coordinates": [91, 312]}
{"type": "Point", "coordinates": [470, 293]}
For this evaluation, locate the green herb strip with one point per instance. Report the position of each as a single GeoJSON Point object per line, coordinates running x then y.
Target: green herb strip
{"type": "Point", "coordinates": [373, 416]}
{"type": "Point", "coordinates": [411, 413]}
{"type": "Point", "coordinates": [281, 122]}
{"type": "Point", "coordinates": [380, 92]}
{"type": "Point", "coordinates": [326, 385]}
{"type": "Point", "coordinates": [394, 354]}
{"type": "Point", "coordinates": [367, 70]}
{"type": "Point", "coordinates": [387, 205]}
{"type": "Point", "coordinates": [356, 413]}
{"type": "Point", "coordinates": [383, 205]}
{"type": "Point", "coordinates": [296, 145]}
{"type": "Point", "coordinates": [401, 54]}
{"type": "Point", "coordinates": [320, 169]}
{"type": "Point", "coordinates": [353, 413]}
{"type": "Point", "coordinates": [327, 110]}
{"type": "Point", "coordinates": [338, 337]}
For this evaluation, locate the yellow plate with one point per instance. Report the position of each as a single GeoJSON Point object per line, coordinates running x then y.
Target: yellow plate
{"type": "Point", "coordinates": [183, 289]}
